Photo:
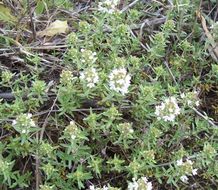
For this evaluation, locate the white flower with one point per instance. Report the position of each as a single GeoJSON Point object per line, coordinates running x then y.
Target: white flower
{"type": "Point", "coordinates": [133, 185]}
{"type": "Point", "coordinates": [149, 184]}
{"type": "Point", "coordinates": [189, 102]}
{"type": "Point", "coordinates": [187, 169]}
{"type": "Point", "coordinates": [90, 76]}
{"type": "Point", "coordinates": [183, 95]}
{"type": "Point", "coordinates": [105, 188]}
{"type": "Point", "coordinates": [32, 123]}
{"type": "Point", "coordinates": [141, 183]}
{"type": "Point", "coordinates": [14, 122]}
{"type": "Point", "coordinates": [23, 123]}
{"type": "Point", "coordinates": [29, 115]}
{"type": "Point", "coordinates": [125, 128]}
{"type": "Point", "coordinates": [184, 179]}
{"type": "Point", "coordinates": [108, 6]}
{"type": "Point", "coordinates": [189, 162]}
{"type": "Point", "coordinates": [24, 131]}
{"type": "Point", "coordinates": [131, 131]}
{"type": "Point", "coordinates": [72, 123]}
{"type": "Point", "coordinates": [191, 98]}
{"type": "Point", "coordinates": [167, 110]}
{"type": "Point", "coordinates": [119, 80]}
{"type": "Point", "coordinates": [66, 77]}
{"type": "Point", "coordinates": [88, 56]}
{"type": "Point", "coordinates": [194, 171]}
{"type": "Point", "coordinates": [73, 137]}
{"type": "Point", "coordinates": [197, 103]}
{"type": "Point", "coordinates": [72, 130]}
{"type": "Point", "coordinates": [92, 187]}
{"type": "Point", "coordinates": [179, 162]}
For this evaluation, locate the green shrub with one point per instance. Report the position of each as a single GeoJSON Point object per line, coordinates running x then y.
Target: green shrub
{"type": "Point", "coordinates": [124, 107]}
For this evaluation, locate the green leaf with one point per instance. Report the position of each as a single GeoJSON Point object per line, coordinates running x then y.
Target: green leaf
{"type": "Point", "coordinates": [40, 7]}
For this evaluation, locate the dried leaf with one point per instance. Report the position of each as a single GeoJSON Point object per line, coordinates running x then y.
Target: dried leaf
{"type": "Point", "coordinates": [57, 27]}
{"type": "Point", "coordinates": [5, 15]}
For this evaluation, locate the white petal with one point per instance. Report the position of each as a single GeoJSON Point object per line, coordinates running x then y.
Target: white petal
{"type": "Point", "coordinates": [194, 171]}
{"type": "Point", "coordinates": [14, 122]}
{"type": "Point", "coordinates": [92, 187]}
{"type": "Point", "coordinates": [149, 186]}
{"type": "Point", "coordinates": [184, 178]}
{"type": "Point", "coordinates": [179, 162]}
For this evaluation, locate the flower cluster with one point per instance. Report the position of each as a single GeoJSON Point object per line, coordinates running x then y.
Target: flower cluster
{"type": "Point", "coordinates": [125, 128]}
{"type": "Point", "coordinates": [66, 77]}
{"type": "Point", "coordinates": [46, 149]}
{"type": "Point", "coordinates": [209, 150]}
{"type": "Point", "coordinates": [91, 76]}
{"type": "Point", "coordinates": [39, 87]}
{"type": "Point", "coordinates": [6, 76]}
{"type": "Point", "coordinates": [88, 56]}
{"type": "Point", "coordinates": [186, 169]}
{"type": "Point", "coordinates": [72, 130]}
{"type": "Point", "coordinates": [108, 187]}
{"type": "Point", "coordinates": [46, 187]}
{"type": "Point", "coordinates": [4, 166]}
{"type": "Point", "coordinates": [23, 123]}
{"type": "Point", "coordinates": [140, 184]}
{"type": "Point", "coordinates": [92, 187]}
{"type": "Point", "coordinates": [48, 169]}
{"type": "Point", "coordinates": [108, 6]}
{"type": "Point", "coordinates": [148, 154]}
{"type": "Point", "coordinates": [119, 80]}
{"type": "Point", "coordinates": [191, 98]}
{"type": "Point", "coordinates": [168, 109]}
{"type": "Point", "coordinates": [84, 26]}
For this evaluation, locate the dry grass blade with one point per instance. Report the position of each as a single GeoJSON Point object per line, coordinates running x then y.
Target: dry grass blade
{"type": "Point", "coordinates": [213, 48]}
